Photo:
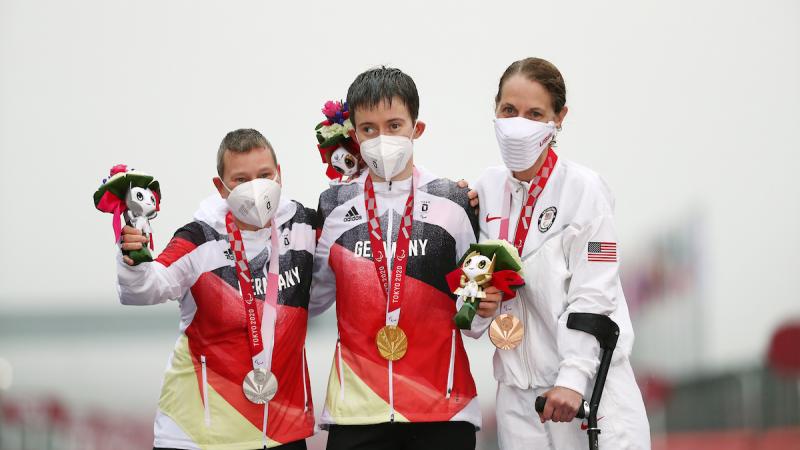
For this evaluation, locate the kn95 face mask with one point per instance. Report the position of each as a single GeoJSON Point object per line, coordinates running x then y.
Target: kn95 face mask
{"type": "Point", "coordinates": [256, 201]}
{"type": "Point", "coordinates": [387, 156]}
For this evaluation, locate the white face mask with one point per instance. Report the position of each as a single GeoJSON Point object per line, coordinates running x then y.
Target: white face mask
{"type": "Point", "coordinates": [256, 201]}
{"type": "Point", "coordinates": [387, 156]}
{"type": "Point", "coordinates": [522, 141]}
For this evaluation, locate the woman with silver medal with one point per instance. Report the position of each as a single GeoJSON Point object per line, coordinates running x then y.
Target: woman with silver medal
{"type": "Point", "coordinates": [252, 206]}
{"type": "Point", "coordinates": [221, 387]}
{"type": "Point", "coordinates": [558, 215]}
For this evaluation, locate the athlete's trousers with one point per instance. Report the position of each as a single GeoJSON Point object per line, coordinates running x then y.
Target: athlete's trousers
{"type": "Point", "coordinates": [621, 418]}
{"type": "Point", "coordinates": [403, 436]}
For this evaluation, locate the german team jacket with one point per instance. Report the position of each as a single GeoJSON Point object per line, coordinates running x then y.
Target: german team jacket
{"type": "Point", "coordinates": [202, 404]}
{"type": "Point", "coordinates": [432, 382]}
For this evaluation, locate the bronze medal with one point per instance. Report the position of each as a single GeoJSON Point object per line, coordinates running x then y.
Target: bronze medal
{"type": "Point", "coordinates": [506, 332]}
{"type": "Point", "coordinates": [392, 342]}
{"type": "Point", "coordinates": [260, 386]}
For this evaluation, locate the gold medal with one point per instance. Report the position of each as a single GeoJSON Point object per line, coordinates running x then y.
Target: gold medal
{"type": "Point", "coordinates": [506, 332]}
{"type": "Point", "coordinates": [392, 342]}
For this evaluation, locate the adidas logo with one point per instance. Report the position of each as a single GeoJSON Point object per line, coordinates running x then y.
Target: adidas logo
{"type": "Point", "coordinates": [352, 215]}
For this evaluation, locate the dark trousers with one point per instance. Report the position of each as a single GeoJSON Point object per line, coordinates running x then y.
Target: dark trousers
{"type": "Point", "coordinates": [296, 445]}
{"type": "Point", "coordinates": [403, 436]}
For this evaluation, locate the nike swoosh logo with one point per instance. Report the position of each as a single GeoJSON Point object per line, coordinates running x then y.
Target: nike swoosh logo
{"type": "Point", "coordinates": [489, 219]}
{"type": "Point", "coordinates": [585, 426]}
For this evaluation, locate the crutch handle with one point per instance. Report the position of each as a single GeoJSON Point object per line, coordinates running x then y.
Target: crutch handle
{"type": "Point", "coordinates": [583, 410]}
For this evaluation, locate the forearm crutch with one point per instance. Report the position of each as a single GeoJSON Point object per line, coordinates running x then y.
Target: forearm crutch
{"type": "Point", "coordinates": [606, 332]}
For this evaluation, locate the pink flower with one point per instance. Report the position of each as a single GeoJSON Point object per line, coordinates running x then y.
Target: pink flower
{"type": "Point", "coordinates": [117, 169]}
{"type": "Point", "coordinates": [331, 108]}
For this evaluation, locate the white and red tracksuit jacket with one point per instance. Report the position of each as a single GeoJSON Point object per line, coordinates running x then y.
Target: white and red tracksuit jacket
{"type": "Point", "coordinates": [432, 382]}
{"type": "Point", "coordinates": [575, 210]}
{"type": "Point", "coordinates": [202, 404]}
{"type": "Point", "coordinates": [570, 263]}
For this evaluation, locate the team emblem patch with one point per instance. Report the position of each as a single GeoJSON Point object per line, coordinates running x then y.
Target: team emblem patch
{"type": "Point", "coordinates": [546, 218]}
{"type": "Point", "coordinates": [424, 208]}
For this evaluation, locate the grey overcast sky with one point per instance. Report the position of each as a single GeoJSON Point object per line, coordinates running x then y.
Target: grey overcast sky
{"type": "Point", "coordinates": [685, 107]}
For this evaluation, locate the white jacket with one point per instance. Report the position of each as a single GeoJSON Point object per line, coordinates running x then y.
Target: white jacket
{"type": "Point", "coordinates": [559, 278]}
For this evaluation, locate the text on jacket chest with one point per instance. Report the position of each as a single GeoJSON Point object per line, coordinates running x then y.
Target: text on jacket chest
{"type": "Point", "coordinates": [286, 279]}
{"type": "Point", "coordinates": [416, 247]}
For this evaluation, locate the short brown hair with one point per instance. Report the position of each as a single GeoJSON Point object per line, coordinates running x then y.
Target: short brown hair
{"type": "Point", "coordinates": [542, 72]}
{"type": "Point", "coordinates": [242, 141]}
{"type": "Point", "coordinates": [382, 84]}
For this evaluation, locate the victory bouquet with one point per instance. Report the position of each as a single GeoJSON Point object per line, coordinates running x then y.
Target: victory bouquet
{"type": "Point", "coordinates": [336, 147]}
{"type": "Point", "coordinates": [135, 196]}
{"type": "Point", "coordinates": [491, 263]}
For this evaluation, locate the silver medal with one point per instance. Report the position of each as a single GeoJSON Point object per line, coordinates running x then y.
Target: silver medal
{"type": "Point", "coordinates": [260, 386]}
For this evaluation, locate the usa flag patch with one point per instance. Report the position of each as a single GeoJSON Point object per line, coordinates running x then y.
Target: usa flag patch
{"type": "Point", "coordinates": [602, 251]}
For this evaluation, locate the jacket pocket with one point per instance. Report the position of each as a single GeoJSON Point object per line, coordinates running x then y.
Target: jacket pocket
{"type": "Point", "coordinates": [341, 368]}
{"type": "Point", "coordinates": [305, 381]}
{"type": "Point", "coordinates": [451, 368]}
{"type": "Point", "coordinates": [204, 376]}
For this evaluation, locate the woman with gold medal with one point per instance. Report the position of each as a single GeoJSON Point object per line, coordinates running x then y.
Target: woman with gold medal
{"type": "Point", "coordinates": [558, 216]}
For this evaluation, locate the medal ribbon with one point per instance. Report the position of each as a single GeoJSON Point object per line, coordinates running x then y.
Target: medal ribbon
{"type": "Point", "coordinates": [262, 357]}
{"type": "Point", "coordinates": [526, 213]}
{"type": "Point", "coordinates": [399, 260]}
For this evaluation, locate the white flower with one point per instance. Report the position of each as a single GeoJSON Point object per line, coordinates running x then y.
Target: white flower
{"type": "Point", "coordinates": [332, 130]}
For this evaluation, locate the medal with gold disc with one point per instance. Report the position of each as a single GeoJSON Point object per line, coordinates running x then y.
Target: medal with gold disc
{"type": "Point", "coordinates": [490, 263]}
{"type": "Point", "coordinates": [391, 340]}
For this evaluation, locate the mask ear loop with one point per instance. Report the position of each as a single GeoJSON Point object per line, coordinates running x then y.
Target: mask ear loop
{"type": "Point", "coordinates": [359, 158]}
{"type": "Point", "coordinates": [225, 185]}
{"type": "Point", "coordinates": [554, 142]}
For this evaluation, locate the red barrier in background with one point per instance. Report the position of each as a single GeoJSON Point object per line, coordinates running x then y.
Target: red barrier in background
{"type": "Point", "coordinates": [784, 350]}
{"type": "Point", "coordinates": [46, 423]}
{"type": "Point", "coordinates": [775, 439]}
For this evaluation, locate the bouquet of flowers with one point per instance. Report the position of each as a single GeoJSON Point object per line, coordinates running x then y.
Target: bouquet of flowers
{"type": "Point", "coordinates": [491, 263]}
{"type": "Point", "coordinates": [134, 195]}
{"type": "Point", "coordinates": [335, 145]}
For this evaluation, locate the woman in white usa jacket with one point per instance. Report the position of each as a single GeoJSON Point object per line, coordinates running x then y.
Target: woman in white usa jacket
{"type": "Point", "coordinates": [568, 247]}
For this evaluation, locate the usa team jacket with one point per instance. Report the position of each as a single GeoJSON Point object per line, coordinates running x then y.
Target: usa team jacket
{"type": "Point", "coordinates": [202, 404]}
{"type": "Point", "coordinates": [432, 382]}
{"type": "Point", "coordinates": [570, 264]}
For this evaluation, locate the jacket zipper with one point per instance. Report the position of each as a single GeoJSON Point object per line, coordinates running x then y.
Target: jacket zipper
{"type": "Point", "coordinates": [206, 408]}
{"type": "Point", "coordinates": [452, 367]}
{"type": "Point", "coordinates": [524, 347]}
{"type": "Point", "coordinates": [524, 318]}
{"type": "Point", "coordinates": [389, 238]}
